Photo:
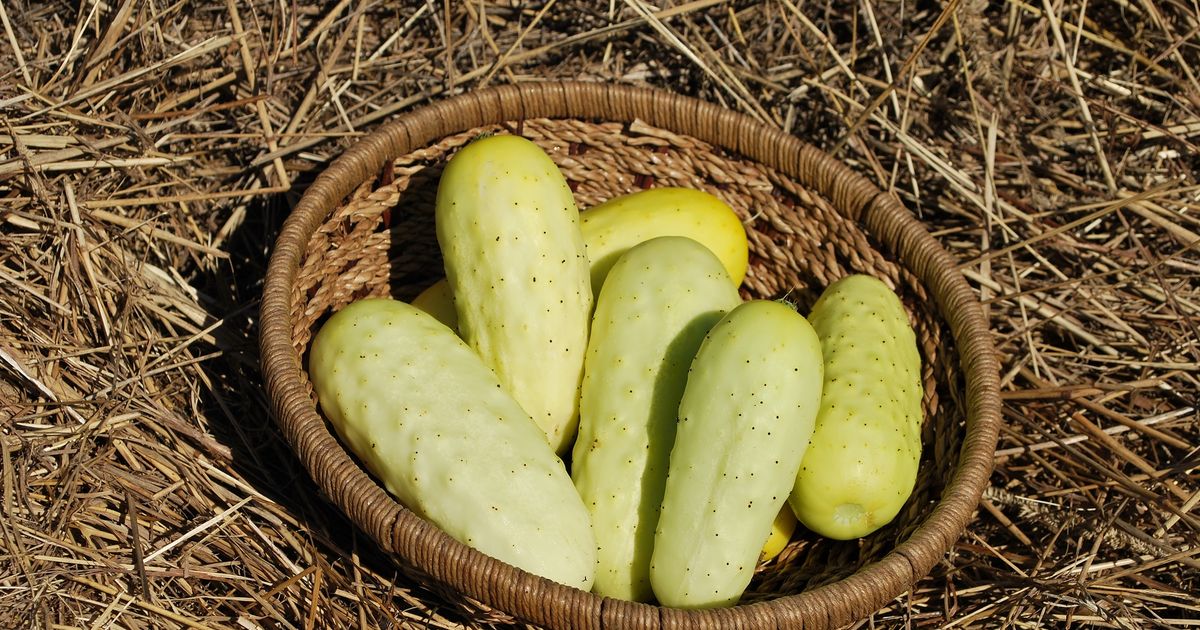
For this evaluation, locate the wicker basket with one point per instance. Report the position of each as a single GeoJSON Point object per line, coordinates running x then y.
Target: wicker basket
{"type": "Point", "coordinates": [365, 227]}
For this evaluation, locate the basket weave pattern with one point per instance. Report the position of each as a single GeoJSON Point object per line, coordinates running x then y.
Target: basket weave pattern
{"type": "Point", "coordinates": [369, 231]}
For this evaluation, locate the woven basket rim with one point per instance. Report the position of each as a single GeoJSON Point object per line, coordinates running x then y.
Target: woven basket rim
{"type": "Point", "coordinates": [541, 601]}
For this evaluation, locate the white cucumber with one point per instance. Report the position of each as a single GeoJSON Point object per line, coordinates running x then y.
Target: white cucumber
{"type": "Point", "coordinates": [862, 463]}
{"type": "Point", "coordinates": [744, 423]}
{"type": "Point", "coordinates": [660, 299]}
{"type": "Point", "coordinates": [432, 423]}
{"type": "Point", "coordinates": [508, 229]}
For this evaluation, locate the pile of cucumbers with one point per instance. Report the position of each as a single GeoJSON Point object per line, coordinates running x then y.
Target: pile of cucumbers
{"type": "Point", "coordinates": [587, 397]}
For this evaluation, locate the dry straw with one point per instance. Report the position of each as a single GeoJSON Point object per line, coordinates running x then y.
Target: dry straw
{"type": "Point", "coordinates": [132, 413]}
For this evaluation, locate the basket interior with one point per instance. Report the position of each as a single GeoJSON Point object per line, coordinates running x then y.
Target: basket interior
{"type": "Point", "coordinates": [381, 242]}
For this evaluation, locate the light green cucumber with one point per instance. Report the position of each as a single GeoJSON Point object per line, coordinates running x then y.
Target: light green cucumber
{"type": "Point", "coordinates": [515, 262]}
{"type": "Point", "coordinates": [744, 423]}
{"type": "Point", "coordinates": [660, 299]}
{"type": "Point", "coordinates": [862, 462]}
{"type": "Point", "coordinates": [432, 423]}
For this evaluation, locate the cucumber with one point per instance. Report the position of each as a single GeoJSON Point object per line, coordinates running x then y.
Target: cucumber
{"type": "Point", "coordinates": [611, 228]}
{"type": "Point", "coordinates": [439, 302]}
{"type": "Point", "coordinates": [508, 229]}
{"type": "Point", "coordinates": [432, 423]}
{"type": "Point", "coordinates": [782, 529]}
{"type": "Point", "coordinates": [862, 463]}
{"type": "Point", "coordinates": [744, 423]}
{"type": "Point", "coordinates": [659, 301]}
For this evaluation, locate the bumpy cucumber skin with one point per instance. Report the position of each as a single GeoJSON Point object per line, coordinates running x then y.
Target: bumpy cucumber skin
{"type": "Point", "coordinates": [863, 458]}
{"type": "Point", "coordinates": [612, 227]}
{"type": "Point", "coordinates": [658, 302]}
{"type": "Point", "coordinates": [433, 424]}
{"type": "Point", "coordinates": [515, 262]}
{"type": "Point", "coordinates": [744, 423]}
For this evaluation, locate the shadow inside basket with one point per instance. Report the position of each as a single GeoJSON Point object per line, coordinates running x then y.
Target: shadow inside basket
{"type": "Point", "coordinates": [381, 242]}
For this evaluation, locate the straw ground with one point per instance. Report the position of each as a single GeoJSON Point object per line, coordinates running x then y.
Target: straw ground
{"type": "Point", "coordinates": [149, 152]}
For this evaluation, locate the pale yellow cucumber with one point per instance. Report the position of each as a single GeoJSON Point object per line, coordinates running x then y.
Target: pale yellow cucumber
{"type": "Point", "coordinates": [439, 302]}
{"type": "Point", "coordinates": [659, 301]}
{"type": "Point", "coordinates": [744, 423]}
{"type": "Point", "coordinates": [862, 463]}
{"type": "Point", "coordinates": [432, 423]}
{"type": "Point", "coordinates": [508, 229]}
{"type": "Point", "coordinates": [782, 529]}
{"type": "Point", "coordinates": [614, 226]}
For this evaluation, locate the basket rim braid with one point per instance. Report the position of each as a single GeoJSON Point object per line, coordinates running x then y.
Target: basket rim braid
{"type": "Point", "coordinates": [535, 599]}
